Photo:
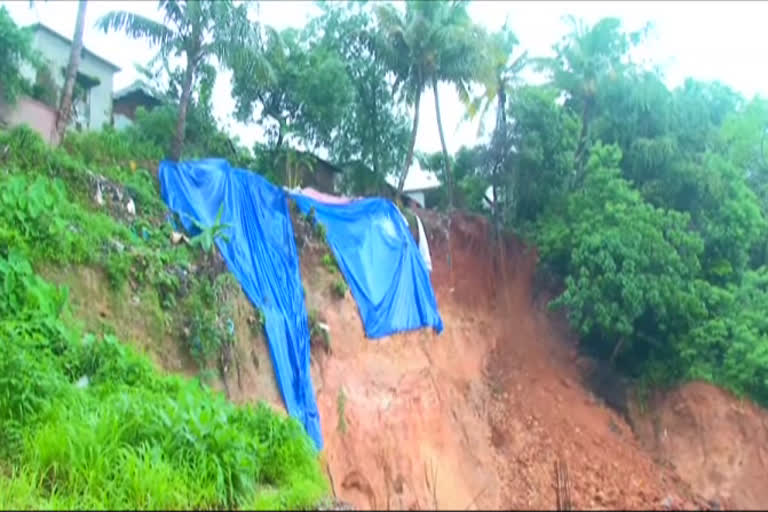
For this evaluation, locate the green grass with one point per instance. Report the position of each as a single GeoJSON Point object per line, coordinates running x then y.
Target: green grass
{"type": "Point", "coordinates": [86, 422]}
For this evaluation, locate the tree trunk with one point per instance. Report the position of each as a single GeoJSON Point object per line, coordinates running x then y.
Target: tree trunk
{"type": "Point", "coordinates": [583, 136]}
{"type": "Point", "coordinates": [615, 352]}
{"type": "Point", "coordinates": [409, 158]}
{"type": "Point", "coordinates": [65, 105]}
{"type": "Point", "coordinates": [447, 163]}
{"type": "Point", "coordinates": [501, 139]}
{"type": "Point", "coordinates": [181, 123]}
{"type": "Point", "coordinates": [375, 152]}
{"type": "Point", "coordinates": [280, 136]}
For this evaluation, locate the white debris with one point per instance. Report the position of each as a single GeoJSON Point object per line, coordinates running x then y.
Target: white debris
{"type": "Point", "coordinates": [177, 238]}
{"type": "Point", "coordinates": [99, 198]}
{"type": "Point", "coordinates": [131, 207]}
{"type": "Point", "coordinates": [82, 383]}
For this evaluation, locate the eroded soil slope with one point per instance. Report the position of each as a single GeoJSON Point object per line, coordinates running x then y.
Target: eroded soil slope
{"type": "Point", "coordinates": [478, 416]}
{"type": "Point", "coordinates": [715, 441]}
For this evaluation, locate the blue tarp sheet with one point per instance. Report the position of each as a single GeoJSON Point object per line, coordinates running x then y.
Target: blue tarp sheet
{"type": "Point", "coordinates": [369, 238]}
{"type": "Point", "coordinates": [381, 263]}
{"type": "Point", "coordinates": [261, 253]}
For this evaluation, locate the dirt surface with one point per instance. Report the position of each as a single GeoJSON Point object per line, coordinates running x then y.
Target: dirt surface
{"type": "Point", "coordinates": [715, 441]}
{"type": "Point", "coordinates": [478, 416]}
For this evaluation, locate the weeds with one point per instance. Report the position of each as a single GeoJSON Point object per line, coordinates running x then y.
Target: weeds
{"type": "Point", "coordinates": [319, 332]}
{"type": "Point", "coordinates": [339, 288]}
{"type": "Point", "coordinates": [329, 263]}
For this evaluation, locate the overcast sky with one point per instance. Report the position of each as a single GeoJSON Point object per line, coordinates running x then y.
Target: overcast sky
{"type": "Point", "coordinates": [725, 41]}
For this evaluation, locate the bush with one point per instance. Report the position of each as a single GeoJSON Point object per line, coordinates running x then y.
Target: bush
{"type": "Point", "coordinates": [630, 269]}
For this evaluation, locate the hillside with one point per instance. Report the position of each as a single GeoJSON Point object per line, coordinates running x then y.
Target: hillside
{"type": "Point", "coordinates": [498, 411]}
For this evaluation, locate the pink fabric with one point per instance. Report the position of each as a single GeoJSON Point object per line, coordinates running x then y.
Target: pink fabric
{"type": "Point", "coordinates": [325, 198]}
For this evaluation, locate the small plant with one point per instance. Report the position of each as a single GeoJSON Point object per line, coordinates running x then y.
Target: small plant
{"type": "Point", "coordinates": [339, 288]}
{"type": "Point", "coordinates": [341, 405]}
{"type": "Point", "coordinates": [208, 235]}
{"type": "Point", "coordinates": [257, 322]}
{"type": "Point", "coordinates": [330, 263]}
{"type": "Point", "coordinates": [320, 230]}
{"type": "Point", "coordinates": [317, 331]}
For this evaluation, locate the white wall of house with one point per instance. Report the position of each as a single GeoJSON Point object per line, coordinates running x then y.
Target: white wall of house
{"type": "Point", "coordinates": [56, 52]}
{"type": "Point", "coordinates": [416, 196]}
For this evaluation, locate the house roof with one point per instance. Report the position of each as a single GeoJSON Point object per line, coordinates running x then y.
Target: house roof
{"type": "Point", "coordinates": [39, 26]}
{"type": "Point", "coordinates": [417, 180]}
{"type": "Point", "coordinates": [137, 86]}
{"type": "Point", "coordinates": [331, 167]}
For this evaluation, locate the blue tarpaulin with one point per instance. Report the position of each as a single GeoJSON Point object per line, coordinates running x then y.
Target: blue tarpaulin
{"type": "Point", "coordinates": [369, 239]}
{"type": "Point", "coordinates": [381, 263]}
{"type": "Point", "coordinates": [261, 253]}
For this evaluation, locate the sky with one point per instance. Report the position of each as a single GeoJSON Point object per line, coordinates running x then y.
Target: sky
{"type": "Point", "coordinates": [707, 40]}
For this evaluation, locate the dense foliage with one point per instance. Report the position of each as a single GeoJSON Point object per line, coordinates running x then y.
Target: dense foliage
{"type": "Point", "coordinates": [15, 52]}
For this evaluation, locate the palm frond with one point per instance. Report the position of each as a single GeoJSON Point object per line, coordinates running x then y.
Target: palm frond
{"type": "Point", "coordinates": [135, 26]}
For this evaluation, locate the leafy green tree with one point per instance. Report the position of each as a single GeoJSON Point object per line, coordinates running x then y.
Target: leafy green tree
{"type": "Point", "coordinates": [730, 348]}
{"type": "Point", "coordinates": [192, 29]}
{"type": "Point", "coordinates": [630, 267]}
{"type": "Point", "coordinates": [15, 51]}
{"type": "Point", "coordinates": [545, 137]}
{"type": "Point", "coordinates": [305, 95]}
{"type": "Point", "coordinates": [375, 136]}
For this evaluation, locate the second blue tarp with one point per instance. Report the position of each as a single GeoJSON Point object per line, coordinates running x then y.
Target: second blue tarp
{"type": "Point", "coordinates": [381, 263]}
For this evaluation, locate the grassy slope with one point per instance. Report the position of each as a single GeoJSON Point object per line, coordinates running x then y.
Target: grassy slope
{"type": "Point", "coordinates": [87, 422]}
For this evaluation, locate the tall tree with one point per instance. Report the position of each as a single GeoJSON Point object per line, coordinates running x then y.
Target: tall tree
{"type": "Point", "coordinates": [15, 50]}
{"type": "Point", "coordinates": [502, 73]}
{"type": "Point", "coordinates": [431, 42]}
{"type": "Point", "coordinates": [376, 129]}
{"type": "Point", "coordinates": [65, 105]}
{"type": "Point", "coordinates": [586, 58]}
{"type": "Point", "coordinates": [305, 93]}
{"type": "Point", "coordinates": [192, 29]}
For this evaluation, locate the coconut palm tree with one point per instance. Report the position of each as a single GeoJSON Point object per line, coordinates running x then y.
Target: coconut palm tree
{"type": "Point", "coordinates": [503, 71]}
{"type": "Point", "coordinates": [431, 42]}
{"type": "Point", "coordinates": [199, 30]}
{"type": "Point", "coordinates": [585, 58]}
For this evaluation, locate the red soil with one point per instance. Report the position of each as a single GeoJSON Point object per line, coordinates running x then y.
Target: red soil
{"type": "Point", "coordinates": [476, 417]}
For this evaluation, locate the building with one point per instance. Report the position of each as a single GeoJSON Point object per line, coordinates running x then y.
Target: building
{"type": "Point", "coordinates": [417, 184]}
{"type": "Point", "coordinates": [323, 176]}
{"type": "Point", "coordinates": [92, 102]}
{"type": "Point", "coordinates": [126, 101]}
